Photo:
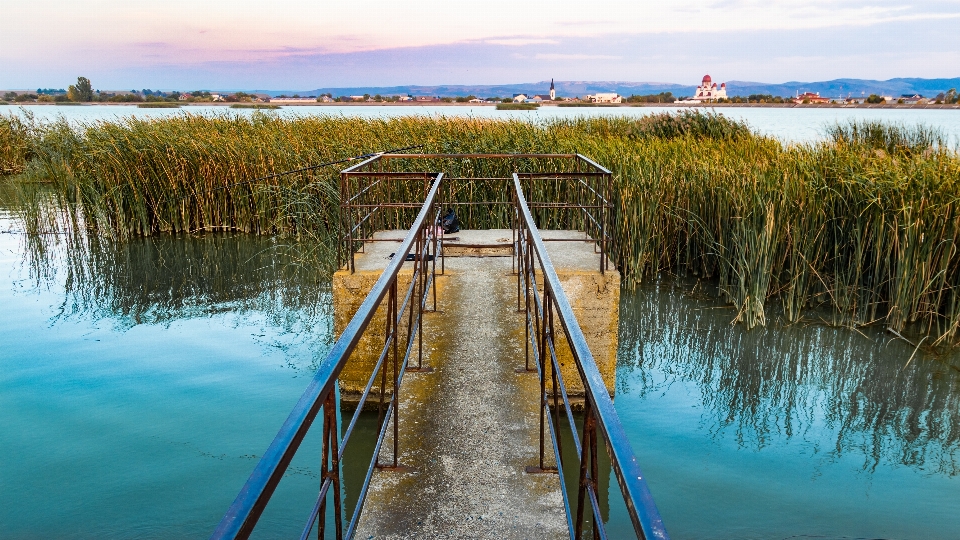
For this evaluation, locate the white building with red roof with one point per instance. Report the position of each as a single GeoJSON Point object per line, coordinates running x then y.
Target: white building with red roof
{"type": "Point", "coordinates": [709, 91]}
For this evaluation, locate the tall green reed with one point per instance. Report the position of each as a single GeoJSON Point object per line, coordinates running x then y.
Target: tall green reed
{"type": "Point", "coordinates": [863, 223]}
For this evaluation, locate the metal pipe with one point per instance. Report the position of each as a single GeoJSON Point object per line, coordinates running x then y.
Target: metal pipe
{"type": "Point", "coordinates": [241, 518]}
{"type": "Point", "coordinates": [639, 501]}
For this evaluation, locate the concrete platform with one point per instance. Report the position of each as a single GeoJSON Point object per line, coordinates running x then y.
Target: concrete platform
{"type": "Point", "coordinates": [595, 298]}
{"type": "Point", "coordinates": [468, 429]}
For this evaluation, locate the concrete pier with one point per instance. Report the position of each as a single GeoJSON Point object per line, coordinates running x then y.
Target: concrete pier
{"type": "Point", "coordinates": [594, 297]}
{"type": "Point", "coordinates": [470, 427]}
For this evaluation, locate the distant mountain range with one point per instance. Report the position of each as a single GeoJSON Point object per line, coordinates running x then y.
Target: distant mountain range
{"type": "Point", "coordinates": [834, 88]}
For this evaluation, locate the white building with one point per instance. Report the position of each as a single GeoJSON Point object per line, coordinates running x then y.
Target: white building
{"type": "Point", "coordinates": [519, 98]}
{"type": "Point", "coordinates": [293, 100]}
{"type": "Point", "coordinates": [708, 90]}
{"type": "Point", "coordinates": [609, 97]}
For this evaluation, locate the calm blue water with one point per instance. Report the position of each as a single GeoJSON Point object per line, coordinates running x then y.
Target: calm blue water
{"type": "Point", "coordinates": [784, 432]}
{"type": "Point", "coordinates": [135, 401]}
{"type": "Point", "coordinates": [138, 386]}
{"type": "Point", "coordinates": [787, 124]}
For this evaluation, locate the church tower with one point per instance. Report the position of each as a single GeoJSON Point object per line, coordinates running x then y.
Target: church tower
{"type": "Point", "coordinates": [553, 92]}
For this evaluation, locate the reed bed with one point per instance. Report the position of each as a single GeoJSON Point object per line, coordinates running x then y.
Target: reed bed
{"type": "Point", "coordinates": [15, 142]}
{"type": "Point", "coordinates": [863, 223]}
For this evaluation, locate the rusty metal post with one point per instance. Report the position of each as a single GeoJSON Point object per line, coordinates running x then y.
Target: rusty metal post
{"type": "Point", "coordinates": [324, 457]}
{"type": "Point", "coordinates": [388, 335]}
{"type": "Point", "coordinates": [433, 271]}
{"type": "Point", "coordinates": [514, 221]}
{"type": "Point", "coordinates": [422, 252]}
{"type": "Point", "coordinates": [415, 287]}
{"type": "Point", "coordinates": [554, 364]}
{"type": "Point", "coordinates": [331, 454]}
{"type": "Point", "coordinates": [588, 447]}
{"type": "Point", "coordinates": [588, 428]}
{"type": "Point", "coordinates": [396, 376]}
{"type": "Point", "coordinates": [543, 377]}
{"type": "Point", "coordinates": [526, 305]}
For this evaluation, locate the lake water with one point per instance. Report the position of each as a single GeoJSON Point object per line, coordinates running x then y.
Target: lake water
{"type": "Point", "coordinates": [139, 385]}
{"type": "Point", "coordinates": [787, 124]}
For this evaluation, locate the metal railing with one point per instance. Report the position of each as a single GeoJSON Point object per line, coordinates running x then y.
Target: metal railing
{"type": "Point", "coordinates": [423, 243]}
{"type": "Point", "coordinates": [570, 191]}
{"type": "Point", "coordinates": [545, 304]}
{"type": "Point", "coordinates": [369, 192]}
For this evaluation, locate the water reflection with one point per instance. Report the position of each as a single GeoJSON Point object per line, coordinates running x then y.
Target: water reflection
{"type": "Point", "coordinates": [160, 280]}
{"type": "Point", "coordinates": [141, 380]}
{"type": "Point", "coordinates": [846, 392]}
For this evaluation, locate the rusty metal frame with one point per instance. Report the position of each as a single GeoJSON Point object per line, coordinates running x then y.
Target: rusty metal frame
{"type": "Point", "coordinates": [362, 215]}
{"type": "Point", "coordinates": [586, 184]}
{"type": "Point", "coordinates": [322, 393]}
{"type": "Point", "coordinates": [542, 312]}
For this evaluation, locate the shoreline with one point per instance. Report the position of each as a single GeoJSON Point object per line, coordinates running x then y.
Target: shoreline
{"type": "Point", "coordinates": [932, 106]}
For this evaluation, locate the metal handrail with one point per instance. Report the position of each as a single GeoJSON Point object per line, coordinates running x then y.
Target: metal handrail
{"type": "Point", "coordinates": [242, 516]}
{"type": "Point", "coordinates": [590, 182]}
{"type": "Point", "coordinates": [599, 411]}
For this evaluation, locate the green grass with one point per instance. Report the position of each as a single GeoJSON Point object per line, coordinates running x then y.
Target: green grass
{"type": "Point", "coordinates": [158, 105]}
{"type": "Point", "coordinates": [517, 106]}
{"type": "Point", "coordinates": [864, 223]}
{"type": "Point", "coordinates": [69, 104]}
{"type": "Point", "coordinates": [253, 106]}
{"type": "Point", "coordinates": [16, 137]}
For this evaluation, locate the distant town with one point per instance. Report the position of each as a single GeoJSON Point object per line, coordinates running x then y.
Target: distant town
{"type": "Point", "coordinates": [707, 93]}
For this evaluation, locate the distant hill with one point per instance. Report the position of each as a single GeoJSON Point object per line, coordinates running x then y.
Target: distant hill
{"type": "Point", "coordinates": [564, 88]}
{"type": "Point", "coordinates": [847, 87]}
{"type": "Point", "coordinates": [834, 88]}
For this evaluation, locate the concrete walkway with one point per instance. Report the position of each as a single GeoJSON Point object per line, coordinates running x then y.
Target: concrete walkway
{"type": "Point", "coordinates": [468, 429]}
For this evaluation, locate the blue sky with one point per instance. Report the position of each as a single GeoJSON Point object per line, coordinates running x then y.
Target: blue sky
{"type": "Point", "coordinates": [300, 44]}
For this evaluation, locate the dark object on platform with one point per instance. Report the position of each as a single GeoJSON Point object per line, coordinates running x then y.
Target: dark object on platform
{"type": "Point", "coordinates": [413, 257]}
{"type": "Point", "coordinates": [450, 223]}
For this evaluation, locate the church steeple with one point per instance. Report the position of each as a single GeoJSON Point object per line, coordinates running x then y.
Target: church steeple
{"type": "Point", "coordinates": [553, 92]}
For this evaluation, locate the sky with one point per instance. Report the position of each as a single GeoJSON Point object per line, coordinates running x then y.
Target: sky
{"type": "Point", "coordinates": [306, 44]}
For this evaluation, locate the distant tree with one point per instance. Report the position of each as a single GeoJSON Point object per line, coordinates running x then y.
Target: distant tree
{"type": "Point", "coordinates": [874, 98]}
{"type": "Point", "coordinates": [125, 98]}
{"type": "Point", "coordinates": [662, 97]}
{"type": "Point", "coordinates": [951, 96]}
{"type": "Point", "coordinates": [82, 91]}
